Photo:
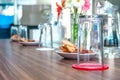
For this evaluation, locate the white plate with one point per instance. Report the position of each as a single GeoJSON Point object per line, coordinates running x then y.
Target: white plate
{"type": "Point", "coordinates": [45, 49]}
{"type": "Point", "coordinates": [74, 55]}
{"type": "Point", "coordinates": [29, 43]}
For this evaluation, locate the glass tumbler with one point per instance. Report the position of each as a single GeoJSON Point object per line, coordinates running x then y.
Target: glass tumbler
{"type": "Point", "coordinates": [90, 44]}
{"type": "Point", "coordinates": [45, 38]}
{"type": "Point", "coordinates": [23, 33]}
{"type": "Point", "coordinates": [14, 33]}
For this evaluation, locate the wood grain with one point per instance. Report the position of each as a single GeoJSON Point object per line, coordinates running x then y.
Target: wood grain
{"type": "Point", "coordinates": [26, 63]}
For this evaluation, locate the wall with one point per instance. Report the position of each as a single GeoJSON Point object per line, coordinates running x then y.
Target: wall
{"type": "Point", "coordinates": [34, 14]}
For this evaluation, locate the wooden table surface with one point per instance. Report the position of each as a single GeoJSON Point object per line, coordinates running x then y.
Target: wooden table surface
{"type": "Point", "coordinates": [26, 63]}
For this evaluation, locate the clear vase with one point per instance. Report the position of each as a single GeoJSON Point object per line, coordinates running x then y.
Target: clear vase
{"type": "Point", "coordinates": [58, 32]}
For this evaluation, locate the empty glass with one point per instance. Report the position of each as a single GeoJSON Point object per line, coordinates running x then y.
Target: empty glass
{"type": "Point", "coordinates": [23, 33]}
{"type": "Point", "coordinates": [46, 35]}
{"type": "Point", "coordinates": [45, 38]}
{"type": "Point", "coordinates": [90, 44]}
{"type": "Point", "coordinates": [14, 33]}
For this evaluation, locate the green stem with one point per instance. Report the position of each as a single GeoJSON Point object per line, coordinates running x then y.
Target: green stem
{"type": "Point", "coordinates": [75, 26]}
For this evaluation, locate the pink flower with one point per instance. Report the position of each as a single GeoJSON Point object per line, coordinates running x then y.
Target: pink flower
{"type": "Point", "coordinates": [86, 5]}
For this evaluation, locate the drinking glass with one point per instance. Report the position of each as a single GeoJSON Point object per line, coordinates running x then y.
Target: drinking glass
{"type": "Point", "coordinates": [23, 32]}
{"type": "Point", "coordinates": [45, 37]}
{"type": "Point", "coordinates": [90, 43]}
{"type": "Point", "coordinates": [14, 33]}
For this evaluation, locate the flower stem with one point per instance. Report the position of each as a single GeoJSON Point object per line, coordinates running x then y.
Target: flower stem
{"type": "Point", "coordinates": [75, 26]}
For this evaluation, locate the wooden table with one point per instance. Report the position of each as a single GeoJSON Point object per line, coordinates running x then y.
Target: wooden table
{"type": "Point", "coordinates": [26, 63]}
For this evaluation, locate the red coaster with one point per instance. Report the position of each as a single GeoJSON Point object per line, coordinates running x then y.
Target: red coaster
{"type": "Point", "coordinates": [90, 66]}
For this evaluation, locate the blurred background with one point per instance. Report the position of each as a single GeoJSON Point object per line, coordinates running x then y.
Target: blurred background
{"type": "Point", "coordinates": [33, 12]}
